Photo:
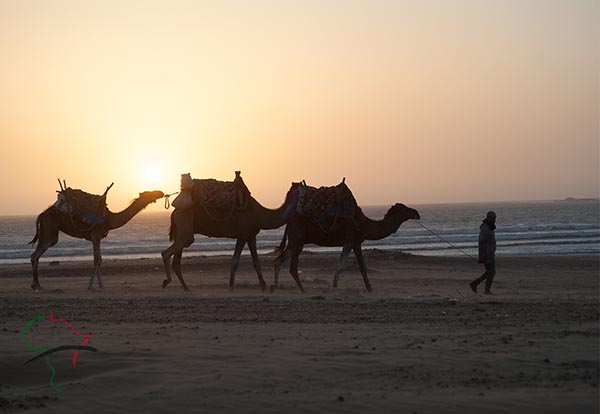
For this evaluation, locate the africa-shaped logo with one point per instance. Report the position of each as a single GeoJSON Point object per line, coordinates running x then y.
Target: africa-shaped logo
{"type": "Point", "coordinates": [46, 352]}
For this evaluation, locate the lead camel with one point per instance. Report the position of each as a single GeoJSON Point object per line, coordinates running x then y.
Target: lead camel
{"type": "Point", "coordinates": [348, 233]}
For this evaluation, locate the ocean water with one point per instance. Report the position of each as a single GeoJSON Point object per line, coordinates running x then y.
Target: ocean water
{"type": "Point", "coordinates": [523, 228]}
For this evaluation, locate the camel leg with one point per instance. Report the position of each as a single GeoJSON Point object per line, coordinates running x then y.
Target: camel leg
{"type": "Point", "coordinates": [97, 263]}
{"type": "Point", "coordinates": [256, 262]}
{"type": "Point", "coordinates": [294, 268]}
{"type": "Point", "coordinates": [361, 265]}
{"type": "Point", "coordinates": [177, 268]}
{"type": "Point", "coordinates": [166, 256]}
{"type": "Point", "coordinates": [98, 268]}
{"type": "Point", "coordinates": [279, 260]}
{"type": "Point", "coordinates": [46, 240]}
{"type": "Point", "coordinates": [235, 261]}
{"type": "Point", "coordinates": [182, 238]}
{"type": "Point", "coordinates": [342, 260]}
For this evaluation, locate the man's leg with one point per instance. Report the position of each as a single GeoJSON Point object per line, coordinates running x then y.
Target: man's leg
{"type": "Point", "coordinates": [490, 272]}
{"type": "Point", "coordinates": [480, 279]}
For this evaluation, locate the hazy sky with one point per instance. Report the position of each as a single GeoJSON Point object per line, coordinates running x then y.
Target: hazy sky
{"type": "Point", "coordinates": [412, 101]}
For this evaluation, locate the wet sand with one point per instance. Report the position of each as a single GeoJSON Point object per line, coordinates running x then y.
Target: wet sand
{"type": "Point", "coordinates": [421, 342]}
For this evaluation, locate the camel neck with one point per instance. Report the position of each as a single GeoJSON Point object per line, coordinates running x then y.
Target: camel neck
{"type": "Point", "coordinates": [271, 218]}
{"type": "Point", "coordinates": [121, 218]}
{"type": "Point", "coordinates": [379, 229]}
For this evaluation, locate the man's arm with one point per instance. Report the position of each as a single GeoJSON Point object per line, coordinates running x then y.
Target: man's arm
{"type": "Point", "coordinates": [483, 236]}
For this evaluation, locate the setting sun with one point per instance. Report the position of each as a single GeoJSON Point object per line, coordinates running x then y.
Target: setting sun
{"type": "Point", "coordinates": [152, 174]}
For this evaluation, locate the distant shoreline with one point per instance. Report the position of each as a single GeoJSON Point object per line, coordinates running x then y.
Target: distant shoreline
{"type": "Point", "coordinates": [381, 205]}
{"type": "Point", "coordinates": [573, 199]}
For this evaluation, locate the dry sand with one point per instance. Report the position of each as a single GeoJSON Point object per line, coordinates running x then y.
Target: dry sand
{"type": "Point", "coordinates": [422, 342]}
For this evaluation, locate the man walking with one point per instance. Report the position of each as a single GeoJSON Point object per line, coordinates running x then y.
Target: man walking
{"type": "Point", "coordinates": [487, 253]}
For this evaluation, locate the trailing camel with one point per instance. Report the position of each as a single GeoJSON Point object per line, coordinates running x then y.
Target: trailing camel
{"type": "Point", "coordinates": [52, 220]}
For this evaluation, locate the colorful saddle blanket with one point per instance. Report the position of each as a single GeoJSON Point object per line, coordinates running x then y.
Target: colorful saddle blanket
{"type": "Point", "coordinates": [224, 195]}
{"type": "Point", "coordinates": [82, 206]}
{"type": "Point", "coordinates": [320, 203]}
{"type": "Point", "coordinates": [211, 193]}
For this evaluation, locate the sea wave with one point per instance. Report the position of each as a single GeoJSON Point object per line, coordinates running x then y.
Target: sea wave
{"type": "Point", "coordinates": [523, 228]}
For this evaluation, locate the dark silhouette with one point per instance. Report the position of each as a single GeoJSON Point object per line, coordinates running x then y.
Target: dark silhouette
{"type": "Point", "coordinates": [242, 225]}
{"type": "Point", "coordinates": [349, 233]}
{"type": "Point", "coordinates": [487, 253]}
{"type": "Point", "coordinates": [52, 220]}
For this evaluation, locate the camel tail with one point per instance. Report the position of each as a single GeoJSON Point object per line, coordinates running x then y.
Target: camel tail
{"type": "Point", "coordinates": [37, 229]}
{"type": "Point", "coordinates": [172, 229]}
{"type": "Point", "coordinates": [279, 250]}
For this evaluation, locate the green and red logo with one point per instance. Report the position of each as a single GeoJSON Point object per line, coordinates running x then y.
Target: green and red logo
{"type": "Point", "coordinates": [45, 353]}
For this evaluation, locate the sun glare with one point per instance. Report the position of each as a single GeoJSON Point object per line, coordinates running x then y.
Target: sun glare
{"type": "Point", "coordinates": [152, 174]}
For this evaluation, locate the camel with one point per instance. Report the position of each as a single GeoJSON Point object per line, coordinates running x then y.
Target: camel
{"type": "Point", "coordinates": [51, 221]}
{"type": "Point", "coordinates": [348, 233]}
{"type": "Point", "coordinates": [242, 225]}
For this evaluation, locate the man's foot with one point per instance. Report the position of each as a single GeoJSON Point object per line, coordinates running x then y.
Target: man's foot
{"type": "Point", "coordinates": [473, 286]}
{"type": "Point", "coordinates": [487, 292]}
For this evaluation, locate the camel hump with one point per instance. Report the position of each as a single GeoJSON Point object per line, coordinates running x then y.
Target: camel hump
{"type": "Point", "coordinates": [323, 202]}
{"type": "Point", "coordinates": [81, 206]}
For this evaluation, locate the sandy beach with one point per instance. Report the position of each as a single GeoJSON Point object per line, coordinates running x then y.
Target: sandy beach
{"type": "Point", "coordinates": [422, 342]}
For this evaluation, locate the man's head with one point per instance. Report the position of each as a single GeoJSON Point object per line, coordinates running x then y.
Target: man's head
{"type": "Point", "coordinates": [491, 215]}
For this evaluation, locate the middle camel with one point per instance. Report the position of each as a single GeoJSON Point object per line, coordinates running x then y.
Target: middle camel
{"type": "Point", "coordinates": [242, 222]}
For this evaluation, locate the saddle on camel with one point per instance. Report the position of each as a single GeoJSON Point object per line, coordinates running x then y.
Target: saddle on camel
{"type": "Point", "coordinates": [85, 209]}
{"type": "Point", "coordinates": [319, 204]}
{"type": "Point", "coordinates": [214, 194]}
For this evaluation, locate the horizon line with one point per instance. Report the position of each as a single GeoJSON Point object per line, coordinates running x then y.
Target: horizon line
{"type": "Point", "coordinates": [563, 200]}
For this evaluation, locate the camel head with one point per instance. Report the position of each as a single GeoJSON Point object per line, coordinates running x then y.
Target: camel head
{"type": "Point", "coordinates": [403, 211]}
{"type": "Point", "coordinates": [150, 196]}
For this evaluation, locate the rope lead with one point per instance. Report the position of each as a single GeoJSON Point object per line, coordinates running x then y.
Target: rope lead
{"type": "Point", "coordinates": [167, 201]}
{"type": "Point", "coordinates": [444, 240]}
